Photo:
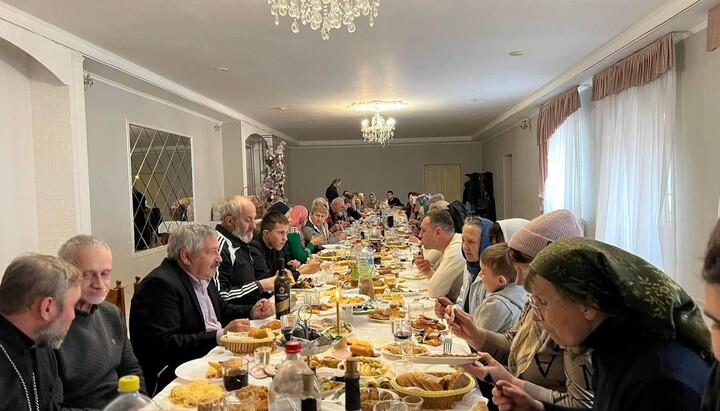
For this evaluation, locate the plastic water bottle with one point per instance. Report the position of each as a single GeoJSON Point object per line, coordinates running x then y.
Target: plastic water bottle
{"type": "Point", "coordinates": [130, 398]}
{"type": "Point", "coordinates": [293, 381]}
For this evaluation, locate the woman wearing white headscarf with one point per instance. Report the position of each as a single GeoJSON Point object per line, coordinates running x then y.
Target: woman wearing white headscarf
{"type": "Point", "coordinates": [502, 231]}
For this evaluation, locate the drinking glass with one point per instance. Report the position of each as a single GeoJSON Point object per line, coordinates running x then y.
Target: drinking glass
{"type": "Point", "coordinates": [210, 405]}
{"type": "Point", "coordinates": [262, 356]}
{"type": "Point", "coordinates": [235, 373]}
{"type": "Point", "coordinates": [346, 315]}
{"type": "Point", "coordinates": [287, 324]}
{"type": "Point", "coordinates": [391, 405]}
{"type": "Point", "coordinates": [413, 402]}
{"type": "Point", "coordinates": [401, 329]}
{"type": "Point", "coordinates": [415, 310]}
{"type": "Point", "coordinates": [240, 401]}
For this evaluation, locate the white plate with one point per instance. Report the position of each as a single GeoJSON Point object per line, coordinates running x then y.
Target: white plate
{"type": "Point", "coordinates": [332, 246]}
{"type": "Point", "coordinates": [419, 359]}
{"type": "Point", "coordinates": [331, 311]}
{"type": "Point", "coordinates": [358, 311]}
{"type": "Point", "coordinates": [365, 299]}
{"type": "Point", "coordinates": [375, 320]}
{"type": "Point", "coordinates": [195, 370]}
{"type": "Point", "coordinates": [412, 275]}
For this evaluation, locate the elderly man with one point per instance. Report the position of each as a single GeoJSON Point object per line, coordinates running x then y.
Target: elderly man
{"type": "Point", "coordinates": [38, 294]}
{"type": "Point", "coordinates": [446, 274]}
{"type": "Point", "coordinates": [97, 339]}
{"type": "Point", "coordinates": [177, 314]}
{"type": "Point", "coordinates": [338, 221]}
{"type": "Point", "coordinates": [239, 278]}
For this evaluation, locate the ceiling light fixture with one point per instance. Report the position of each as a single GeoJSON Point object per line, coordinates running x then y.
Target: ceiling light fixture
{"type": "Point", "coordinates": [476, 99]}
{"type": "Point", "coordinates": [377, 129]}
{"type": "Point", "coordinates": [516, 53]}
{"type": "Point", "coordinates": [324, 14]}
{"type": "Point", "coordinates": [222, 69]}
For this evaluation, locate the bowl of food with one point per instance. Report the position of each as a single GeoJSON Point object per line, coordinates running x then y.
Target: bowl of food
{"type": "Point", "coordinates": [439, 390]}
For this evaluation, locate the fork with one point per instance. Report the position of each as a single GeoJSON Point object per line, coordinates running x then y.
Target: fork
{"type": "Point", "coordinates": [447, 345]}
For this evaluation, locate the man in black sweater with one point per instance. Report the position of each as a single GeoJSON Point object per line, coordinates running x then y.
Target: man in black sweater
{"type": "Point", "coordinates": [392, 200]}
{"type": "Point", "coordinates": [97, 339]}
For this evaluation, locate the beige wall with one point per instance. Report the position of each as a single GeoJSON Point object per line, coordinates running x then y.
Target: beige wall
{"type": "Point", "coordinates": [372, 168]}
{"type": "Point", "coordinates": [18, 215]}
{"type": "Point", "coordinates": [522, 145]}
{"type": "Point", "coordinates": [698, 146]}
{"type": "Point", "coordinates": [109, 108]}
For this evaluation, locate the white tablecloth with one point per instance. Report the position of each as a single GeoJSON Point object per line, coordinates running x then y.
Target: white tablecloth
{"type": "Point", "coordinates": [379, 334]}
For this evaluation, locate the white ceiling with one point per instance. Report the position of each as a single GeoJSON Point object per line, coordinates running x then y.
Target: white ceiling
{"type": "Point", "coordinates": [434, 54]}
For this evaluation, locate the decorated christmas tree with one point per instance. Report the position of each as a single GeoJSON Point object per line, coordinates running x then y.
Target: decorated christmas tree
{"type": "Point", "coordinates": [273, 185]}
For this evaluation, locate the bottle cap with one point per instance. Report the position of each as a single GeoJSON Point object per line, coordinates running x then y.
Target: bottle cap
{"type": "Point", "coordinates": [293, 347]}
{"type": "Point", "coordinates": [129, 383]}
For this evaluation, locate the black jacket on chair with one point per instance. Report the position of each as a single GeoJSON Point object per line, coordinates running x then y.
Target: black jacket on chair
{"type": "Point", "coordinates": [167, 327]}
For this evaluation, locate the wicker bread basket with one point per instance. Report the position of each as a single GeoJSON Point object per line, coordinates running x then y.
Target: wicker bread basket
{"type": "Point", "coordinates": [436, 400]}
{"type": "Point", "coordinates": [240, 344]}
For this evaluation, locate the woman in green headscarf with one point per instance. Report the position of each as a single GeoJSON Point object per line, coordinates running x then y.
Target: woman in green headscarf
{"type": "Point", "coordinates": [651, 348]}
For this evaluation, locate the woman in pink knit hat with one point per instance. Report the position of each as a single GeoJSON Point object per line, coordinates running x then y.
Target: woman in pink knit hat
{"type": "Point", "coordinates": [525, 355]}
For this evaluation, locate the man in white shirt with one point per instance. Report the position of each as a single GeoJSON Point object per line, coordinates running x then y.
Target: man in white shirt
{"type": "Point", "coordinates": [437, 232]}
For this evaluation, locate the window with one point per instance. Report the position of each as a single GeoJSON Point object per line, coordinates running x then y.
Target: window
{"type": "Point", "coordinates": [162, 184]}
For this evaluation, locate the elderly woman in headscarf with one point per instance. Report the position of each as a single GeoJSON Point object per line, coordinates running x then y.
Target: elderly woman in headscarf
{"type": "Point", "coordinates": [650, 346]}
{"type": "Point", "coordinates": [525, 354]}
{"type": "Point", "coordinates": [296, 247]}
{"type": "Point", "coordinates": [474, 241]}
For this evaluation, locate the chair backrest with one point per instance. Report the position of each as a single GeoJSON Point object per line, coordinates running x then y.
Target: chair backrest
{"type": "Point", "coordinates": [116, 296]}
{"type": "Point", "coordinates": [137, 283]}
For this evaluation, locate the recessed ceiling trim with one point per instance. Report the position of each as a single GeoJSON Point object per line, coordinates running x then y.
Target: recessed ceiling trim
{"type": "Point", "coordinates": [628, 38]}
{"type": "Point", "coordinates": [131, 90]}
{"type": "Point", "coordinates": [89, 50]}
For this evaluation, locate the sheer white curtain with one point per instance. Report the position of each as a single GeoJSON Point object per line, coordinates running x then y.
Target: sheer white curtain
{"type": "Point", "coordinates": [563, 184]}
{"type": "Point", "coordinates": [634, 131]}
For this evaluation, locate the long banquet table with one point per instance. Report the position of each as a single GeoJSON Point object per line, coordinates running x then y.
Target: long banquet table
{"type": "Point", "coordinates": [364, 328]}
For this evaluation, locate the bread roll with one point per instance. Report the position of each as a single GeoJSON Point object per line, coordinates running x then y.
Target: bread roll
{"type": "Point", "coordinates": [361, 350]}
{"type": "Point", "coordinates": [460, 381]}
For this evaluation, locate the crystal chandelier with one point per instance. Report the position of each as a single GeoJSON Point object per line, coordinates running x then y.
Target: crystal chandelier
{"type": "Point", "coordinates": [379, 130]}
{"type": "Point", "coordinates": [324, 14]}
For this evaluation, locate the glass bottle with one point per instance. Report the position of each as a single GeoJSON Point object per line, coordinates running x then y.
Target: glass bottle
{"type": "Point", "coordinates": [288, 388]}
{"type": "Point", "coordinates": [282, 291]}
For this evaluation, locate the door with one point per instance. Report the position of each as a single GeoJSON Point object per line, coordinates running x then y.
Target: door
{"type": "Point", "coordinates": [444, 179]}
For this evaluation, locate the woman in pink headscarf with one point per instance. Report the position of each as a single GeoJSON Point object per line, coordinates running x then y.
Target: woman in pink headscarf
{"type": "Point", "coordinates": [296, 248]}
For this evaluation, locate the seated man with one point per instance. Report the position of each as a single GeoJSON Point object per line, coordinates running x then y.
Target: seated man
{"type": "Point", "coordinates": [266, 248]}
{"type": "Point", "coordinates": [38, 294]}
{"type": "Point", "coordinates": [392, 200]}
{"type": "Point", "coordinates": [350, 210]}
{"type": "Point", "coordinates": [97, 339]}
{"type": "Point", "coordinates": [239, 280]}
{"type": "Point", "coordinates": [177, 314]}
{"type": "Point", "coordinates": [437, 232]}
{"type": "Point", "coordinates": [338, 221]}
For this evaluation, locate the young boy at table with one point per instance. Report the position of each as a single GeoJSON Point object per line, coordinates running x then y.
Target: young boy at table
{"type": "Point", "coordinates": [505, 299]}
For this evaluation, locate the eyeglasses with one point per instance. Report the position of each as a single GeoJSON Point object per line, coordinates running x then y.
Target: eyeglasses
{"type": "Point", "coordinates": [536, 308]}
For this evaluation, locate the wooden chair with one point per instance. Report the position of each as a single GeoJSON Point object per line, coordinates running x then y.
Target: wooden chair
{"type": "Point", "coordinates": [116, 296]}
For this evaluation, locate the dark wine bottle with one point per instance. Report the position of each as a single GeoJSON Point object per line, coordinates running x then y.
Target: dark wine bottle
{"type": "Point", "coordinates": [352, 385]}
{"type": "Point", "coordinates": [282, 291]}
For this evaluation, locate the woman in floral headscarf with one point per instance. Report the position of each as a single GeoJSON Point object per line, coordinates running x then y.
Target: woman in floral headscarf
{"type": "Point", "coordinates": [650, 345]}
{"type": "Point", "coordinates": [296, 248]}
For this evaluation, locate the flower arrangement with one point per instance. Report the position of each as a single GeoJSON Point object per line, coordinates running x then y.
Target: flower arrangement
{"type": "Point", "coordinates": [273, 185]}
